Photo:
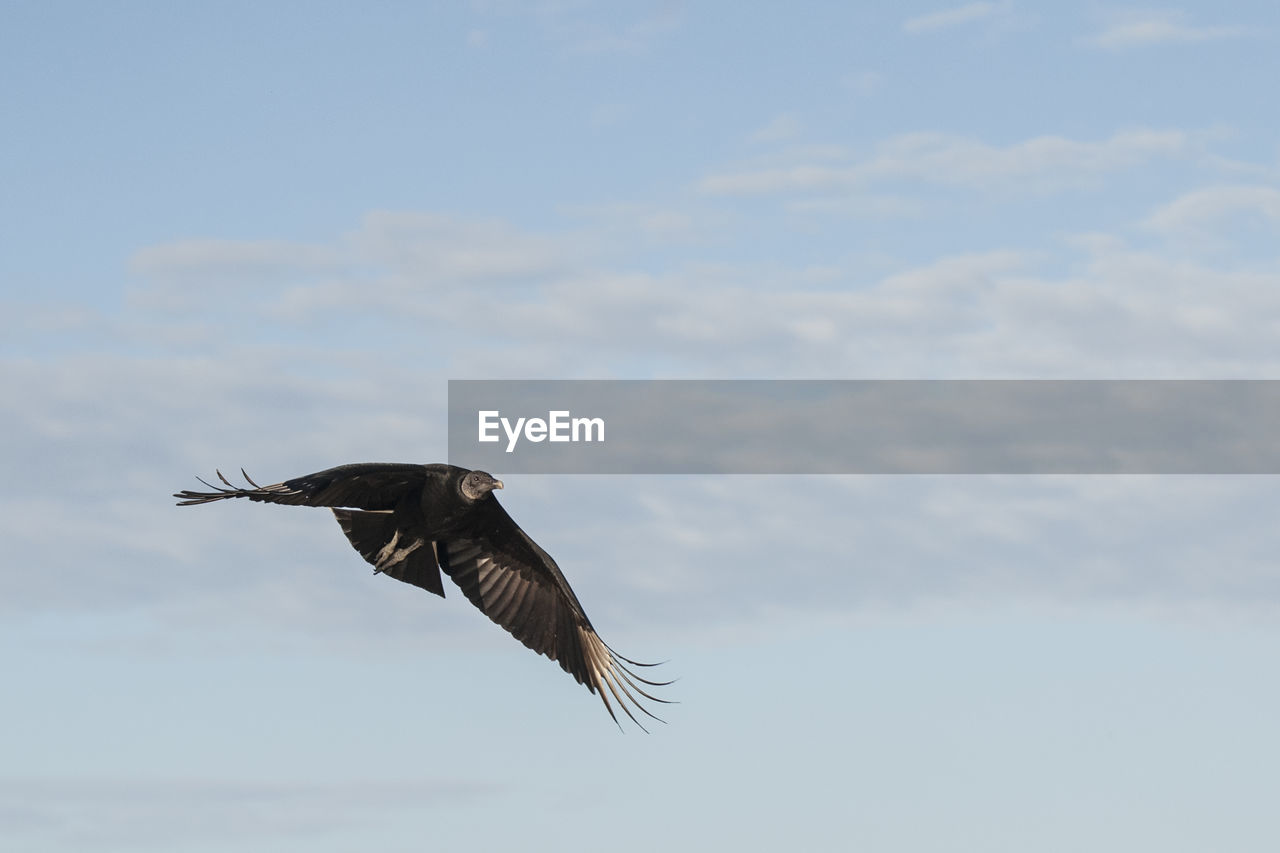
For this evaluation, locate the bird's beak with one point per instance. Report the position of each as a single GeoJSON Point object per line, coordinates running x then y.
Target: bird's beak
{"type": "Point", "coordinates": [497, 484]}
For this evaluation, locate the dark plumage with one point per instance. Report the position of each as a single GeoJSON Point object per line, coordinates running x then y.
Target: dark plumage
{"type": "Point", "coordinates": [410, 521]}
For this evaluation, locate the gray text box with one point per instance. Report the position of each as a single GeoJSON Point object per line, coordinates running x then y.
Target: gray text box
{"type": "Point", "coordinates": [867, 426]}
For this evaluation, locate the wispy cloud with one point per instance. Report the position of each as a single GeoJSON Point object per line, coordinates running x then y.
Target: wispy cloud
{"type": "Point", "coordinates": [780, 128]}
{"type": "Point", "coordinates": [1237, 222]}
{"type": "Point", "coordinates": [362, 361]}
{"type": "Point", "coordinates": [453, 248]}
{"type": "Point", "coordinates": [624, 225]}
{"type": "Point", "coordinates": [633, 37]}
{"type": "Point", "coordinates": [1040, 163]}
{"type": "Point", "coordinates": [863, 83]}
{"type": "Point", "coordinates": [585, 27]}
{"type": "Point", "coordinates": [1213, 206]}
{"type": "Point", "coordinates": [234, 257]}
{"type": "Point", "coordinates": [948, 18]}
{"type": "Point", "coordinates": [433, 251]}
{"type": "Point", "coordinates": [975, 308]}
{"type": "Point", "coordinates": [1142, 27]}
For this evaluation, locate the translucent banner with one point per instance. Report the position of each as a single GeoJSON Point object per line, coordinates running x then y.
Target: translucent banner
{"type": "Point", "coordinates": [866, 426]}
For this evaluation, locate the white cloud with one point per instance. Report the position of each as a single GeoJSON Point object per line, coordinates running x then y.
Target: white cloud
{"type": "Point", "coordinates": [1211, 207]}
{"type": "Point", "coordinates": [1040, 163]}
{"type": "Point", "coordinates": [1126, 313]}
{"type": "Point", "coordinates": [584, 27]}
{"type": "Point", "coordinates": [1139, 27]}
{"type": "Point", "coordinates": [445, 248]}
{"type": "Point", "coordinates": [948, 18]}
{"type": "Point", "coordinates": [778, 129]}
{"type": "Point", "coordinates": [861, 206]}
{"type": "Point", "coordinates": [620, 227]}
{"type": "Point", "coordinates": [863, 83]}
{"type": "Point", "coordinates": [635, 37]}
{"type": "Point", "coordinates": [234, 258]}
{"type": "Point", "coordinates": [355, 369]}
{"type": "Point", "coordinates": [391, 256]}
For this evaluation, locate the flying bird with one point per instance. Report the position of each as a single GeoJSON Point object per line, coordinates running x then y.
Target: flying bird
{"type": "Point", "coordinates": [411, 521]}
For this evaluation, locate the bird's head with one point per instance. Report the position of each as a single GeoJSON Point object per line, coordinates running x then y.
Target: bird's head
{"type": "Point", "coordinates": [477, 484]}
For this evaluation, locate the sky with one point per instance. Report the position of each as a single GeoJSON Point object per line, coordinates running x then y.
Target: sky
{"type": "Point", "coordinates": [267, 235]}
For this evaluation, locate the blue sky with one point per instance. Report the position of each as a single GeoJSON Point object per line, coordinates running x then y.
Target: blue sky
{"type": "Point", "coordinates": [266, 235]}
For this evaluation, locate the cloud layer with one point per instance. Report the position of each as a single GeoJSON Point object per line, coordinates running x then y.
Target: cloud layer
{"type": "Point", "coordinates": [289, 357]}
{"type": "Point", "coordinates": [1144, 27]}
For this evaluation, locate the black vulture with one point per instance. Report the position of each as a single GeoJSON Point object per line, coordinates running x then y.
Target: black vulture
{"type": "Point", "coordinates": [411, 521]}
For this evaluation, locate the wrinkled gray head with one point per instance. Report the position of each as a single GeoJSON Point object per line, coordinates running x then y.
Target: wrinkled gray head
{"type": "Point", "coordinates": [477, 484]}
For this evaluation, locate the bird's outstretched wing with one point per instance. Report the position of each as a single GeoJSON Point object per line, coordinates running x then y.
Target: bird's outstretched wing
{"type": "Point", "coordinates": [516, 584]}
{"type": "Point", "coordinates": [398, 552]}
{"type": "Point", "coordinates": [365, 485]}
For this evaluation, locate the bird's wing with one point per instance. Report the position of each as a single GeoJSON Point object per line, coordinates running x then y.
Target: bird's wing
{"type": "Point", "coordinates": [396, 551]}
{"type": "Point", "coordinates": [516, 584]}
{"type": "Point", "coordinates": [365, 485]}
